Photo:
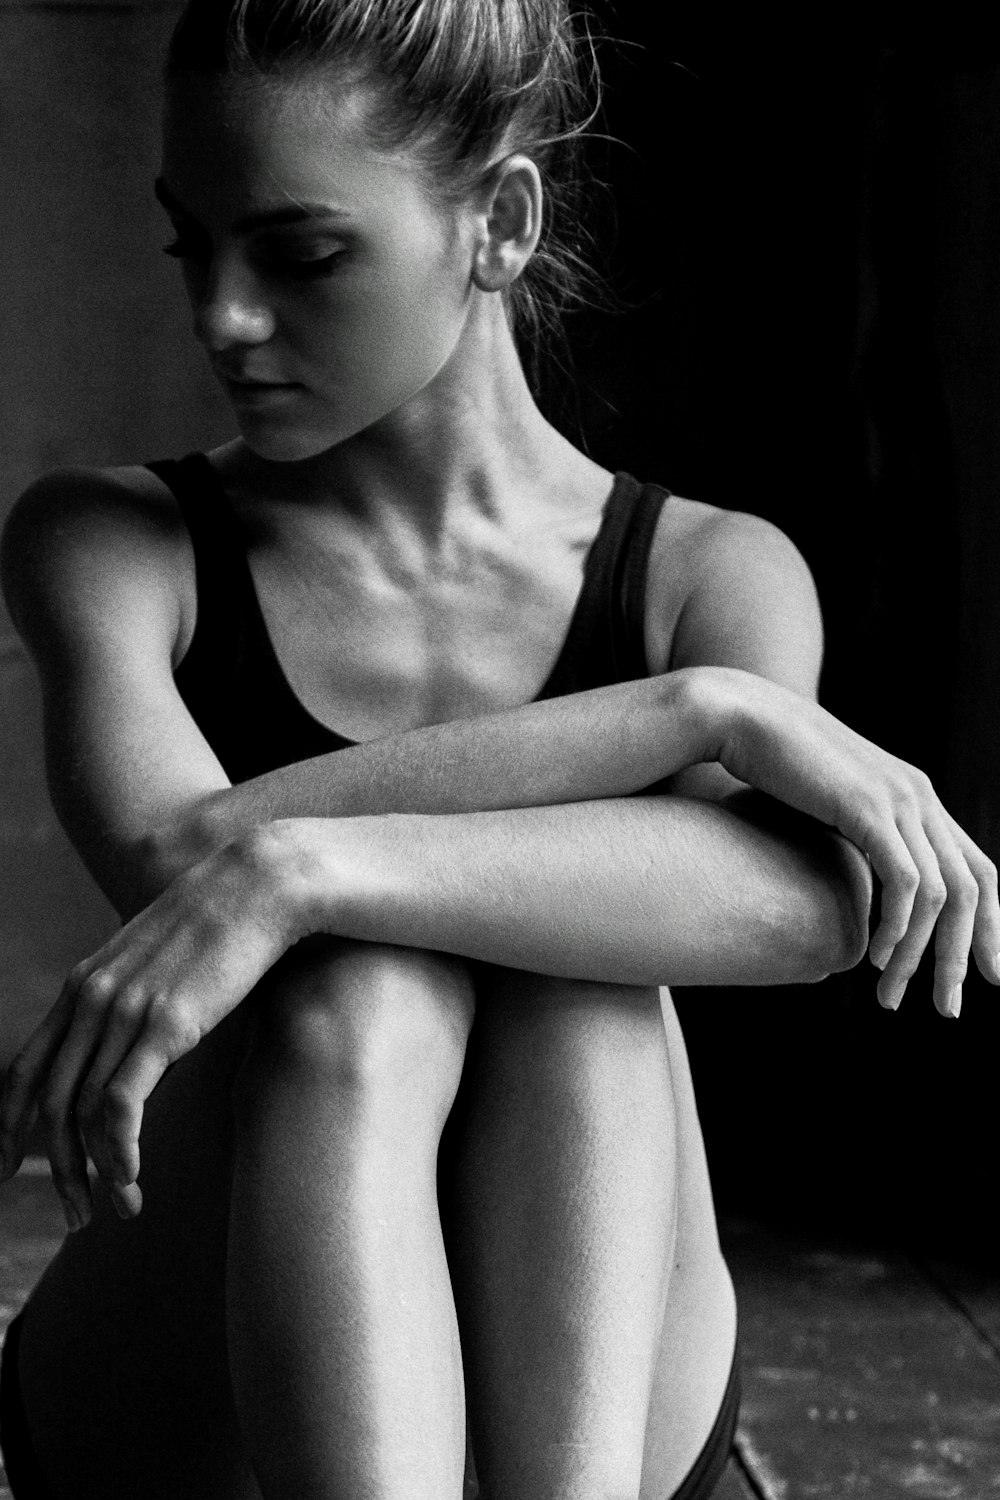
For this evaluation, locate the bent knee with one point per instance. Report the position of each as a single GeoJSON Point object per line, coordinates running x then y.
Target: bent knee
{"type": "Point", "coordinates": [365, 1018]}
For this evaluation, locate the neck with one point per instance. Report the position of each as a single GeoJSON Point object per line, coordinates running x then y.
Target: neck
{"type": "Point", "coordinates": [473, 440]}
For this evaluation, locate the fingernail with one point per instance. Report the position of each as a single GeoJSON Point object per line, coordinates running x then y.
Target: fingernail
{"type": "Point", "coordinates": [955, 1001]}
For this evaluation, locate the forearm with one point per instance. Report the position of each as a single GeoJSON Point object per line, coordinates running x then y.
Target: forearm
{"type": "Point", "coordinates": [609, 742]}
{"type": "Point", "coordinates": [640, 890]}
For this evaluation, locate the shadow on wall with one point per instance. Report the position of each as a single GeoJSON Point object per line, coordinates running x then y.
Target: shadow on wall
{"type": "Point", "coordinates": [97, 366]}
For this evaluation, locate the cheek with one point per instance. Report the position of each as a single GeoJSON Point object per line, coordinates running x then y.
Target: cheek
{"type": "Point", "coordinates": [396, 331]}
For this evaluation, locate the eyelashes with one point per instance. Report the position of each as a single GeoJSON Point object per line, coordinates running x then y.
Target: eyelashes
{"type": "Point", "coordinates": [298, 268]}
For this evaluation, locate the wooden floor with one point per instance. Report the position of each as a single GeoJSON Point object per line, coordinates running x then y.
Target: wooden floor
{"type": "Point", "coordinates": [865, 1375]}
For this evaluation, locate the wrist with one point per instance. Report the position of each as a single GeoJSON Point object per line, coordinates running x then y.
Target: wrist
{"type": "Point", "coordinates": [713, 710]}
{"type": "Point", "coordinates": [292, 867]}
{"type": "Point", "coordinates": [334, 876]}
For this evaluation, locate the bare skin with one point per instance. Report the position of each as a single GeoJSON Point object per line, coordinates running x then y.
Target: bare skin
{"type": "Point", "coordinates": [283, 1315]}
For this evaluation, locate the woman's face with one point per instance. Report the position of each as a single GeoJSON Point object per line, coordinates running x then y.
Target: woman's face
{"type": "Point", "coordinates": [328, 286]}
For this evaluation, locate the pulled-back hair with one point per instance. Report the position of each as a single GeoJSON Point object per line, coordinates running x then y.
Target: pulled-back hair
{"type": "Point", "coordinates": [461, 83]}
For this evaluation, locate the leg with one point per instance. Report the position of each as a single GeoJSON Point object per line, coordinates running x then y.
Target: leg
{"type": "Point", "coordinates": [564, 1234]}
{"type": "Point", "coordinates": [123, 1357]}
{"type": "Point", "coordinates": [699, 1325]}
{"type": "Point", "coordinates": [125, 1368]}
{"type": "Point", "coordinates": [343, 1338]}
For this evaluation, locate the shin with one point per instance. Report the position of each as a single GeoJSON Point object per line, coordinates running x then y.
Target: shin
{"type": "Point", "coordinates": [343, 1337]}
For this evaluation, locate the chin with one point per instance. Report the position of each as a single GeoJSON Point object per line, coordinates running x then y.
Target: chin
{"type": "Point", "coordinates": [285, 445]}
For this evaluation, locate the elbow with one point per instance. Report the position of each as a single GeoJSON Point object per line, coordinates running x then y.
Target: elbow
{"type": "Point", "coordinates": [813, 945]}
{"type": "Point", "coordinates": [842, 944]}
{"type": "Point", "coordinates": [833, 934]}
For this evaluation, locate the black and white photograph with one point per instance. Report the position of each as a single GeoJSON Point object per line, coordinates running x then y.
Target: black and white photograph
{"type": "Point", "coordinates": [499, 743]}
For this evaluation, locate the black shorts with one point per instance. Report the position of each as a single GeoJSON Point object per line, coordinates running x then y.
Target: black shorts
{"type": "Point", "coordinates": [23, 1474]}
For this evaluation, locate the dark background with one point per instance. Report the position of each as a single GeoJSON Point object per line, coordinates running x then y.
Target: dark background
{"type": "Point", "coordinates": [807, 244]}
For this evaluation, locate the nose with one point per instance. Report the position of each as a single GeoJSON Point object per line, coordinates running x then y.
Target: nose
{"type": "Point", "coordinates": [229, 308]}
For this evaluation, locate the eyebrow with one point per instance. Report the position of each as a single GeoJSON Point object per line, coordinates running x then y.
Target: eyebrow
{"type": "Point", "coordinates": [296, 213]}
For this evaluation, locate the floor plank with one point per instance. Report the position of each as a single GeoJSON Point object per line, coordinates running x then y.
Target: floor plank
{"type": "Point", "coordinates": [974, 1290]}
{"type": "Point", "coordinates": [733, 1485]}
{"type": "Point", "coordinates": [860, 1377]}
{"type": "Point", "coordinates": [864, 1376]}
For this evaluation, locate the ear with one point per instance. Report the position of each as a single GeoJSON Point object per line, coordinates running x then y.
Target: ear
{"type": "Point", "coordinates": [510, 223]}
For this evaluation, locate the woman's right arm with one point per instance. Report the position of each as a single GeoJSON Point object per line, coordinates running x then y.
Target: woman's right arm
{"type": "Point", "coordinates": [98, 577]}
{"type": "Point", "coordinates": [93, 572]}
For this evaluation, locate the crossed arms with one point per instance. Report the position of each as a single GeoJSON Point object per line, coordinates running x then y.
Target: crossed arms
{"type": "Point", "coordinates": [512, 838]}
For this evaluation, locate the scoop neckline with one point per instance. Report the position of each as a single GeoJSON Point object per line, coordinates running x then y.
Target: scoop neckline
{"type": "Point", "coordinates": [620, 482]}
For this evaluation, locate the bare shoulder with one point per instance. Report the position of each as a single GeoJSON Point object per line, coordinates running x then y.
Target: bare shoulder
{"type": "Point", "coordinates": [84, 547]}
{"type": "Point", "coordinates": [731, 588]}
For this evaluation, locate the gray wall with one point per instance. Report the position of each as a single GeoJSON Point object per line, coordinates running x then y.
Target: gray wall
{"type": "Point", "coordinates": [97, 366]}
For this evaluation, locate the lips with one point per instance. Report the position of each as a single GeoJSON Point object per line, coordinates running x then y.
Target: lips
{"type": "Point", "coordinates": [243, 379]}
{"type": "Point", "coordinates": [245, 383]}
{"type": "Point", "coordinates": [251, 393]}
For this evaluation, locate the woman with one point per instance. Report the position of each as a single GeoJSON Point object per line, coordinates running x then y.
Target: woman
{"type": "Point", "coordinates": [395, 926]}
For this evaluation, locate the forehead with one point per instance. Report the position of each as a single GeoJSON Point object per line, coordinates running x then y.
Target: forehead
{"type": "Point", "coordinates": [233, 143]}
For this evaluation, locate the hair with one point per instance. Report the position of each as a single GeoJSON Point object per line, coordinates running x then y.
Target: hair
{"type": "Point", "coordinates": [462, 84]}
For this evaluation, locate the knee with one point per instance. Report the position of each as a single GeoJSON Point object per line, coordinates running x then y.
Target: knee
{"type": "Point", "coordinates": [365, 1020]}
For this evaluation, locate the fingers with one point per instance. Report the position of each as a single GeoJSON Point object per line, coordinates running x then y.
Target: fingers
{"type": "Point", "coordinates": [88, 1071]}
{"type": "Point", "coordinates": [935, 880]}
{"type": "Point", "coordinates": [140, 1042]}
{"type": "Point", "coordinates": [945, 905]}
{"type": "Point", "coordinates": [94, 1108]}
{"type": "Point", "coordinates": [911, 902]}
{"type": "Point", "coordinates": [131, 1011]}
{"type": "Point", "coordinates": [900, 879]}
{"type": "Point", "coordinates": [986, 927]}
{"type": "Point", "coordinates": [24, 1079]}
{"type": "Point", "coordinates": [62, 1117]}
{"type": "Point", "coordinates": [124, 1105]}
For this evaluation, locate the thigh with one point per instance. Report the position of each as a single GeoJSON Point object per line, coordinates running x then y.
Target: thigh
{"type": "Point", "coordinates": [535, 1035]}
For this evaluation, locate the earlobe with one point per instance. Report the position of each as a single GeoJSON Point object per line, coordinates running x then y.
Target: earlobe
{"type": "Point", "coordinates": [510, 225]}
{"type": "Point", "coordinates": [496, 266]}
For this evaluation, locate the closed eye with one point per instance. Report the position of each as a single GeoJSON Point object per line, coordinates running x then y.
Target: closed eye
{"type": "Point", "coordinates": [299, 267]}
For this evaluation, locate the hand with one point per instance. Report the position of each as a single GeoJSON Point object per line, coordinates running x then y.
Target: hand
{"type": "Point", "coordinates": [934, 878]}
{"type": "Point", "coordinates": [140, 1003]}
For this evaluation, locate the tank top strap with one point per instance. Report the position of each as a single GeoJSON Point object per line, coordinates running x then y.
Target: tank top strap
{"type": "Point", "coordinates": [606, 638]}
{"type": "Point", "coordinates": [225, 592]}
{"type": "Point", "coordinates": [229, 677]}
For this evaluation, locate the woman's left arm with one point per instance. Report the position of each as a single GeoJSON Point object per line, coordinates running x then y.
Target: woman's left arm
{"type": "Point", "coordinates": [706, 882]}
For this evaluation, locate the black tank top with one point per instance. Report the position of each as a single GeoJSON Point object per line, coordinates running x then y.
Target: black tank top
{"type": "Point", "coordinates": [233, 684]}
